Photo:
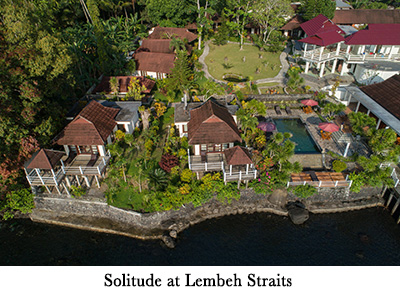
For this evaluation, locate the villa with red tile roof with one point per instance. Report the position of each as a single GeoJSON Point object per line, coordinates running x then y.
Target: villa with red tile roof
{"type": "Point", "coordinates": [212, 132]}
{"type": "Point", "coordinates": [84, 140]}
{"type": "Point", "coordinates": [328, 45]}
{"type": "Point", "coordinates": [155, 57]}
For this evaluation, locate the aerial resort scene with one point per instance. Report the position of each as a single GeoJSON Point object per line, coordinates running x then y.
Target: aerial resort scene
{"type": "Point", "coordinates": [200, 133]}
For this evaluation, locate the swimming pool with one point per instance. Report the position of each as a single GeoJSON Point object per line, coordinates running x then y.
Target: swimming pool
{"type": "Point", "coordinates": [304, 142]}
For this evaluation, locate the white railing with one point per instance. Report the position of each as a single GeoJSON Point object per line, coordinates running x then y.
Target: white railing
{"type": "Point", "coordinates": [206, 166]}
{"type": "Point", "coordinates": [251, 174]}
{"type": "Point", "coordinates": [321, 183]}
{"type": "Point", "coordinates": [88, 170]}
{"type": "Point", "coordinates": [35, 179]}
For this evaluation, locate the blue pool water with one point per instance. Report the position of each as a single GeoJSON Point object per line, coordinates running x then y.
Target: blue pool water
{"type": "Point", "coordinates": [303, 140]}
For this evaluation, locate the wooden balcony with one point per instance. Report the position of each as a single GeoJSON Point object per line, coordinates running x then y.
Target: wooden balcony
{"type": "Point", "coordinates": [209, 162]}
{"type": "Point", "coordinates": [84, 164]}
{"type": "Point", "coordinates": [38, 177]}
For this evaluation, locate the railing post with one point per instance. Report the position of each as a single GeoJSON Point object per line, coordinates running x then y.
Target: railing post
{"type": "Point", "coordinates": [80, 169]}
{"type": "Point", "coordinates": [304, 184]}
{"type": "Point", "coordinates": [397, 183]}
{"type": "Point", "coordinates": [240, 175]}
{"type": "Point", "coordinates": [222, 165]}
{"type": "Point", "coordinates": [320, 183]}
{"type": "Point", "coordinates": [205, 165]}
{"type": "Point", "coordinates": [351, 182]}
{"type": "Point", "coordinates": [98, 169]}
{"type": "Point", "coordinates": [104, 160]}
{"type": "Point", "coordinates": [287, 186]}
{"type": "Point", "coordinates": [255, 174]}
{"type": "Point", "coordinates": [336, 183]}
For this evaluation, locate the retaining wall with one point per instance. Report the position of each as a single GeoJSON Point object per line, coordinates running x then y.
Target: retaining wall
{"type": "Point", "coordinates": [98, 216]}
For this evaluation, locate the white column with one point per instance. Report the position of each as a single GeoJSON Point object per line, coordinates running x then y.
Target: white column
{"type": "Point", "coordinates": [358, 106]}
{"type": "Point", "coordinates": [307, 67]}
{"type": "Point", "coordinates": [334, 65]}
{"type": "Point", "coordinates": [344, 66]}
{"type": "Point", "coordinates": [305, 50]}
{"type": "Point", "coordinates": [346, 150]}
{"type": "Point", "coordinates": [390, 53]}
{"type": "Point", "coordinates": [321, 73]}
{"type": "Point", "coordinates": [369, 111]}
{"type": "Point", "coordinates": [87, 180]}
{"type": "Point", "coordinates": [318, 65]}
{"type": "Point", "coordinates": [247, 169]}
{"type": "Point", "coordinates": [379, 122]}
{"type": "Point", "coordinates": [320, 53]}
{"type": "Point", "coordinates": [338, 48]}
{"type": "Point", "coordinates": [230, 170]}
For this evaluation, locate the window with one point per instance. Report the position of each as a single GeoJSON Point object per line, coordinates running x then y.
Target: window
{"type": "Point", "coordinates": [225, 146]}
{"type": "Point", "coordinates": [185, 128]}
{"type": "Point", "coordinates": [203, 147]}
{"type": "Point", "coordinates": [210, 147]}
{"type": "Point", "coordinates": [217, 147]}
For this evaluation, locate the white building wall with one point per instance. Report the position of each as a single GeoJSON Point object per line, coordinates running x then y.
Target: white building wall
{"type": "Point", "coordinates": [102, 150]}
{"type": "Point", "coordinates": [370, 76]}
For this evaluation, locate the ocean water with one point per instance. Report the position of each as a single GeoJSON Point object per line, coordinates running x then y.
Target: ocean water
{"type": "Point", "coordinates": [367, 237]}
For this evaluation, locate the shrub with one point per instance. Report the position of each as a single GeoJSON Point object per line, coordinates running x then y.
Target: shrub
{"type": "Point", "coordinates": [21, 200]}
{"type": "Point", "coordinates": [187, 176]}
{"type": "Point", "coordinates": [339, 166]}
{"type": "Point", "coordinates": [304, 191]}
{"type": "Point", "coordinates": [77, 191]}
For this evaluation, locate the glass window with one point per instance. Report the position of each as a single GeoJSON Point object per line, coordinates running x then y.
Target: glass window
{"type": "Point", "coordinates": [210, 147]}
{"type": "Point", "coordinates": [217, 147]}
{"type": "Point", "coordinates": [225, 146]}
{"type": "Point", "coordinates": [203, 147]}
{"type": "Point", "coordinates": [185, 128]}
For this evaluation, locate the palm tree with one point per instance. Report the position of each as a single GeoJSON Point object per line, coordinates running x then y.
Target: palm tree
{"type": "Point", "coordinates": [114, 85]}
{"type": "Point", "coordinates": [158, 178]}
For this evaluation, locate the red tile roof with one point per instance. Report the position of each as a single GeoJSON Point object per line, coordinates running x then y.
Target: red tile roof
{"type": "Point", "coordinates": [323, 39]}
{"type": "Point", "coordinates": [45, 159]}
{"type": "Point", "coordinates": [376, 34]}
{"type": "Point", "coordinates": [366, 16]}
{"type": "Point", "coordinates": [386, 94]}
{"type": "Point", "coordinates": [212, 123]}
{"type": "Point", "coordinates": [169, 33]}
{"type": "Point", "coordinates": [154, 62]}
{"type": "Point", "coordinates": [237, 156]}
{"type": "Point", "coordinates": [156, 45]}
{"type": "Point", "coordinates": [319, 24]}
{"type": "Point", "coordinates": [91, 126]}
{"type": "Point", "coordinates": [104, 85]}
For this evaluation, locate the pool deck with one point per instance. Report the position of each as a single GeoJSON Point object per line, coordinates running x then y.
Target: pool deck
{"type": "Point", "coordinates": [311, 121]}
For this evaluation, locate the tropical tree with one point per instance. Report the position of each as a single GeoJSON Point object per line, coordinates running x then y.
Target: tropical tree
{"type": "Point", "coordinates": [312, 8]}
{"type": "Point", "coordinates": [135, 89]}
{"type": "Point", "coordinates": [359, 121]}
{"type": "Point", "coordinates": [238, 13]}
{"type": "Point", "coordinates": [158, 178]}
{"type": "Point", "coordinates": [295, 80]}
{"type": "Point", "coordinates": [144, 115]}
{"type": "Point", "coordinates": [332, 109]}
{"type": "Point", "coordinates": [204, 22]}
{"type": "Point", "coordinates": [170, 13]}
{"type": "Point", "coordinates": [270, 15]}
{"type": "Point", "coordinates": [114, 85]}
{"type": "Point", "coordinates": [182, 74]}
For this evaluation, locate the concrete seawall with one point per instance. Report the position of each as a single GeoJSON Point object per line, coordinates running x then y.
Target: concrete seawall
{"type": "Point", "coordinates": [98, 216]}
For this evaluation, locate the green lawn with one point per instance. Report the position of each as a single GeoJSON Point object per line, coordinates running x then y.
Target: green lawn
{"type": "Point", "coordinates": [269, 64]}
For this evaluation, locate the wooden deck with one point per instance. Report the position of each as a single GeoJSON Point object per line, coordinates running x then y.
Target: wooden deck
{"type": "Point", "coordinates": [84, 165]}
{"type": "Point", "coordinates": [320, 179]}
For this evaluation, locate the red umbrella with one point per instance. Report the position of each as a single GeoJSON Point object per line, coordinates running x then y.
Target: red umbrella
{"type": "Point", "coordinates": [266, 126]}
{"type": "Point", "coordinates": [328, 127]}
{"type": "Point", "coordinates": [309, 102]}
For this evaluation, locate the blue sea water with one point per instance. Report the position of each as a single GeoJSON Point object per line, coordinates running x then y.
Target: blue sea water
{"type": "Point", "coordinates": [367, 237]}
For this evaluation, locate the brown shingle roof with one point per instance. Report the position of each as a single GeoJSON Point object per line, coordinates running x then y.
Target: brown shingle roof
{"type": "Point", "coordinates": [154, 62]}
{"type": "Point", "coordinates": [212, 124]}
{"type": "Point", "coordinates": [366, 16]}
{"type": "Point", "coordinates": [237, 156]}
{"type": "Point", "coordinates": [91, 126]}
{"type": "Point", "coordinates": [45, 159]}
{"type": "Point", "coordinates": [104, 85]}
{"type": "Point", "coordinates": [294, 23]}
{"type": "Point", "coordinates": [386, 94]}
{"type": "Point", "coordinates": [157, 45]}
{"type": "Point", "coordinates": [169, 33]}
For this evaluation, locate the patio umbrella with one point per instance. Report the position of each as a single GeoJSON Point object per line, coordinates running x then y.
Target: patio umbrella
{"type": "Point", "coordinates": [328, 127]}
{"type": "Point", "coordinates": [309, 102]}
{"type": "Point", "coordinates": [266, 126]}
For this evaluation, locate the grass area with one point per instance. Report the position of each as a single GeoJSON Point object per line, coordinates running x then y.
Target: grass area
{"type": "Point", "coordinates": [230, 55]}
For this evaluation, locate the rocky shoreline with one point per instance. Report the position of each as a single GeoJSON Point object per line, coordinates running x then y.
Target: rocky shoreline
{"type": "Point", "coordinates": [98, 216]}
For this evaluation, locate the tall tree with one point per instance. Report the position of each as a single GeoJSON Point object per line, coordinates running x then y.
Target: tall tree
{"type": "Point", "coordinates": [204, 22]}
{"type": "Point", "coordinates": [312, 8]}
{"type": "Point", "coordinates": [170, 13]}
{"type": "Point", "coordinates": [238, 11]}
{"type": "Point", "coordinates": [270, 15]}
{"type": "Point", "coordinates": [182, 74]}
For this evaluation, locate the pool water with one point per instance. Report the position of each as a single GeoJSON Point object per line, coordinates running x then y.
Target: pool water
{"type": "Point", "coordinates": [304, 142]}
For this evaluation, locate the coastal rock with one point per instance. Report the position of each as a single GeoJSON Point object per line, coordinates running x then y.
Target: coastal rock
{"type": "Point", "coordinates": [278, 197]}
{"type": "Point", "coordinates": [168, 241]}
{"type": "Point", "coordinates": [173, 233]}
{"type": "Point", "coordinates": [297, 212]}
